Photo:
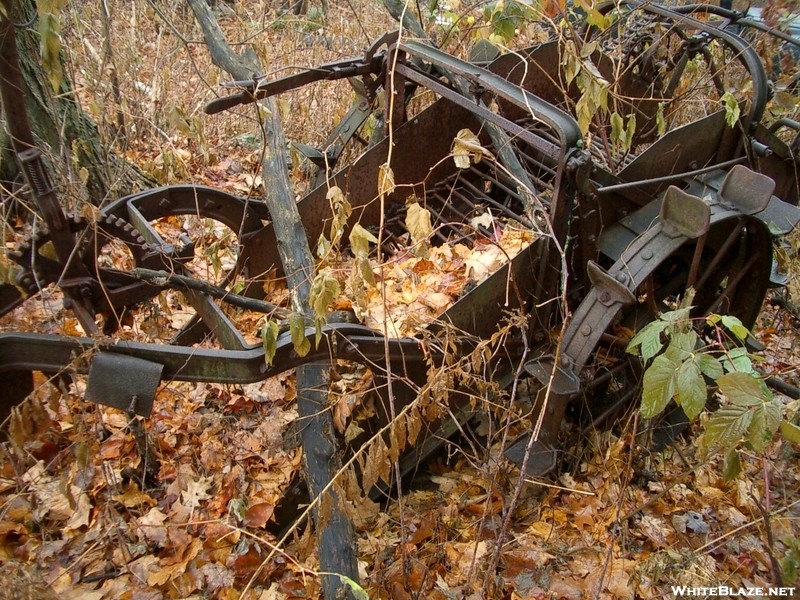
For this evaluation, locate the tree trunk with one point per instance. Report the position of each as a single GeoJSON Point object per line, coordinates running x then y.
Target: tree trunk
{"type": "Point", "coordinates": [63, 132]}
{"type": "Point", "coordinates": [335, 537]}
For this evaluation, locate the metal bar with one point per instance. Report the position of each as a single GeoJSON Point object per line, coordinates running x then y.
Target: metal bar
{"type": "Point", "coordinates": [666, 178]}
{"type": "Point", "coordinates": [501, 207]}
{"type": "Point", "coordinates": [732, 283]}
{"type": "Point", "coordinates": [721, 253]}
{"type": "Point", "coordinates": [698, 253]}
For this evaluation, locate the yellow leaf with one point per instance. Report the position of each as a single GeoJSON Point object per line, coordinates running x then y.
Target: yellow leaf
{"type": "Point", "coordinates": [466, 145]}
{"type": "Point", "coordinates": [385, 179]}
{"type": "Point", "coordinates": [418, 222]}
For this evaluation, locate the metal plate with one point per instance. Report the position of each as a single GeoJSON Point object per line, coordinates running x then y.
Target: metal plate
{"type": "Point", "coordinates": [684, 214]}
{"type": "Point", "coordinates": [747, 191]}
{"type": "Point", "coordinates": [124, 382]}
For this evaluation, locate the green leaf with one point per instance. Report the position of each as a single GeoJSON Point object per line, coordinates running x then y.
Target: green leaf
{"type": "Point", "coordinates": [737, 359]}
{"type": "Point", "coordinates": [681, 346]}
{"type": "Point", "coordinates": [766, 420]}
{"type": "Point", "coordinates": [790, 431]}
{"type": "Point", "coordinates": [297, 327]}
{"type": "Point", "coordinates": [731, 466]}
{"type": "Point", "coordinates": [709, 365]}
{"type": "Point", "coordinates": [358, 592]}
{"type": "Point", "coordinates": [269, 338]}
{"type": "Point", "coordinates": [658, 387]}
{"type": "Point", "coordinates": [675, 316]}
{"type": "Point", "coordinates": [630, 130]}
{"type": "Point", "coordinates": [741, 388]}
{"type": "Point", "coordinates": [728, 425]}
{"type": "Point", "coordinates": [731, 109]}
{"type": "Point", "coordinates": [649, 338]}
{"type": "Point", "coordinates": [617, 130]}
{"type": "Point", "coordinates": [691, 389]}
{"type": "Point", "coordinates": [660, 122]}
{"type": "Point", "coordinates": [735, 326]}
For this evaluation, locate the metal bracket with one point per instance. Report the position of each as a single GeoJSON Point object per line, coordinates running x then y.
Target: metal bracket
{"type": "Point", "coordinates": [564, 381]}
{"type": "Point", "coordinates": [684, 214]}
{"type": "Point", "coordinates": [745, 190]}
{"type": "Point", "coordinates": [610, 289]}
{"type": "Point", "coordinates": [124, 382]}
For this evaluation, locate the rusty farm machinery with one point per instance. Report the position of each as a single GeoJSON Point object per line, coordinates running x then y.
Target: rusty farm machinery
{"type": "Point", "coordinates": [617, 227]}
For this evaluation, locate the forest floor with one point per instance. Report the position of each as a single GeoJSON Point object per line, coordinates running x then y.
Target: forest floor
{"type": "Point", "coordinates": [77, 522]}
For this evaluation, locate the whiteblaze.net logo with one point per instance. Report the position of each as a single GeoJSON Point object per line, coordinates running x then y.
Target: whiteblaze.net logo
{"type": "Point", "coordinates": [737, 592]}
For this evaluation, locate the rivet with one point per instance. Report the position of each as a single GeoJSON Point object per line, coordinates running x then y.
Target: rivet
{"type": "Point", "coordinates": [647, 254]}
{"type": "Point", "coordinates": [565, 361]}
{"type": "Point", "coordinates": [586, 329]}
{"type": "Point", "coordinates": [621, 277]}
{"type": "Point", "coordinates": [605, 297]}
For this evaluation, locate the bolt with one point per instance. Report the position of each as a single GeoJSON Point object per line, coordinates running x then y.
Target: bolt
{"type": "Point", "coordinates": [565, 361]}
{"type": "Point", "coordinates": [85, 291]}
{"type": "Point", "coordinates": [647, 254]}
{"type": "Point", "coordinates": [591, 239]}
{"type": "Point", "coordinates": [586, 329]}
{"type": "Point", "coordinates": [621, 277]}
{"type": "Point", "coordinates": [538, 336]}
{"type": "Point", "coordinates": [605, 297]}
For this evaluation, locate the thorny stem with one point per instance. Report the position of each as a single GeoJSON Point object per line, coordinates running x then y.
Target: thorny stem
{"type": "Point", "coordinates": [765, 511]}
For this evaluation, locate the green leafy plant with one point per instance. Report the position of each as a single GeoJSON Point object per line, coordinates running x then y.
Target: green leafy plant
{"type": "Point", "coordinates": [684, 355]}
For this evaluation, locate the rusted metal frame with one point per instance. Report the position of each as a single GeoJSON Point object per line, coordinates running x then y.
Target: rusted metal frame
{"type": "Point", "coordinates": [75, 278]}
{"type": "Point", "coordinates": [53, 353]}
{"type": "Point", "coordinates": [341, 69]}
{"type": "Point", "coordinates": [216, 321]}
{"type": "Point", "coordinates": [499, 206]}
{"type": "Point", "coordinates": [722, 252]}
{"type": "Point", "coordinates": [733, 282]}
{"type": "Point", "coordinates": [746, 54]}
{"type": "Point", "coordinates": [712, 66]}
{"type": "Point", "coordinates": [562, 123]}
{"type": "Point", "coordinates": [667, 178]}
{"type": "Point", "coordinates": [593, 317]}
{"type": "Point", "coordinates": [447, 92]}
{"type": "Point", "coordinates": [238, 214]}
{"type": "Point", "coordinates": [344, 131]}
{"type": "Point", "coordinates": [735, 18]}
{"type": "Point", "coordinates": [698, 253]}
